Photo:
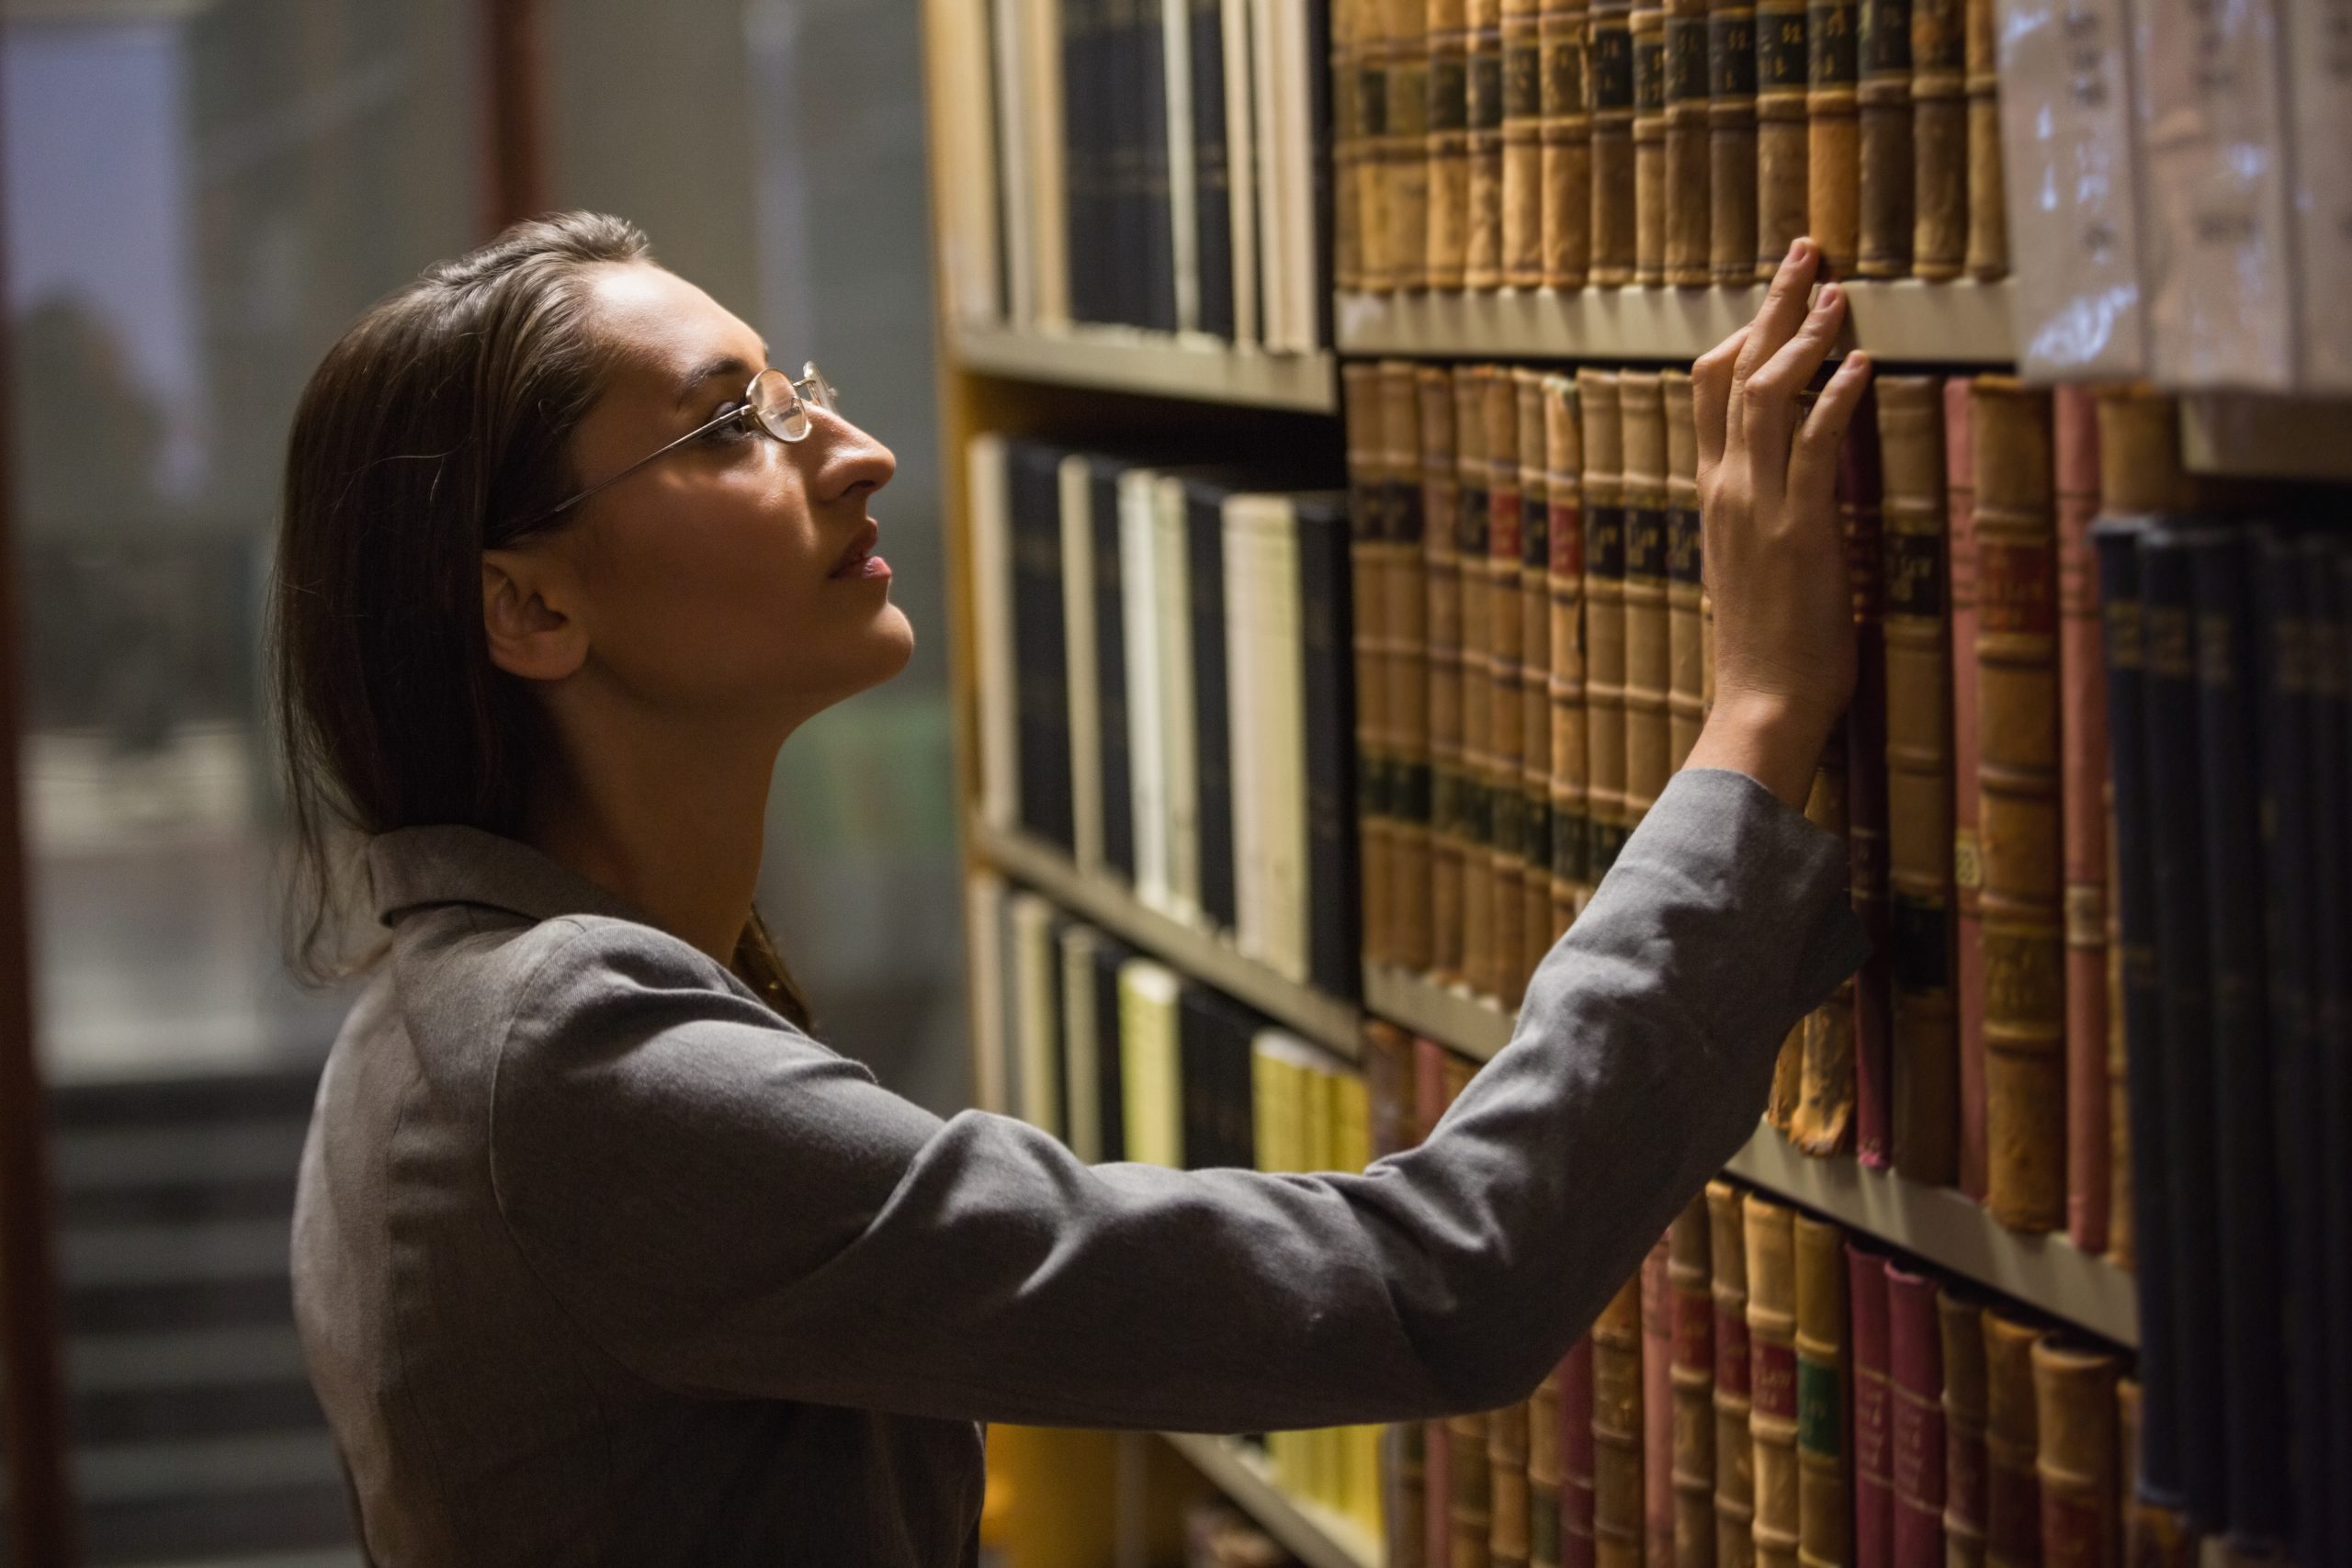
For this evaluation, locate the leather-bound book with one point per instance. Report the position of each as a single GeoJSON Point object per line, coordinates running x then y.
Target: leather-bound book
{"type": "Point", "coordinates": [2018, 834]}
{"type": "Point", "coordinates": [1367, 73]}
{"type": "Point", "coordinates": [1609, 88]}
{"type": "Point", "coordinates": [1347, 143]}
{"type": "Point", "coordinates": [1568, 143]}
{"type": "Point", "coordinates": [1731, 141]}
{"type": "Point", "coordinates": [1685, 652]}
{"type": "Point", "coordinates": [1961, 1326]}
{"type": "Point", "coordinates": [1577, 1545]}
{"type": "Point", "coordinates": [1886, 221]}
{"type": "Point", "coordinates": [2073, 1397]}
{"type": "Point", "coordinates": [1860, 489]}
{"type": "Point", "coordinates": [1448, 239]}
{"type": "Point", "coordinates": [2328, 591]}
{"type": "Point", "coordinates": [1915, 1420]}
{"type": "Point", "coordinates": [1647, 736]}
{"type": "Point", "coordinates": [1735, 1500]}
{"type": "Point", "coordinates": [1604, 615]}
{"type": "Point", "coordinates": [1988, 213]}
{"type": "Point", "coordinates": [1823, 1122]}
{"type": "Point", "coordinates": [1442, 571]}
{"type": "Point", "coordinates": [1507, 1442]}
{"type": "Point", "coordinates": [1967, 865]}
{"type": "Point", "coordinates": [1326, 935]}
{"type": "Point", "coordinates": [2153, 1536]}
{"type": "Point", "coordinates": [1787, 1081]}
{"type": "Point", "coordinates": [1918, 779]}
{"type": "Point", "coordinates": [1649, 142]}
{"type": "Point", "coordinates": [1481, 265]}
{"type": "Point", "coordinates": [1657, 1406]}
{"type": "Point", "coordinates": [1536, 929]}
{"type": "Point", "coordinates": [1470, 1476]}
{"type": "Point", "coordinates": [1571, 768]}
{"type": "Point", "coordinates": [1523, 147]}
{"type": "Point", "coordinates": [1617, 1431]}
{"type": "Point", "coordinates": [1782, 212]}
{"type": "Point", "coordinates": [1367, 529]}
{"type": "Point", "coordinates": [1770, 1245]}
{"type": "Point", "coordinates": [1690, 1278]}
{"type": "Point", "coordinates": [1474, 788]}
{"type": "Point", "coordinates": [2012, 1443]}
{"type": "Point", "coordinates": [1939, 139]}
{"type": "Point", "coordinates": [1873, 1410]}
{"type": "Point", "coordinates": [2082, 699]}
{"type": "Point", "coordinates": [1686, 155]}
{"type": "Point", "coordinates": [1825, 1512]}
{"type": "Point", "coordinates": [1506, 652]}
{"type": "Point", "coordinates": [1405, 617]}
{"type": "Point", "coordinates": [2250, 1267]}
{"type": "Point", "coordinates": [1833, 131]}
{"type": "Point", "coordinates": [1406, 142]}
{"type": "Point", "coordinates": [1544, 1474]}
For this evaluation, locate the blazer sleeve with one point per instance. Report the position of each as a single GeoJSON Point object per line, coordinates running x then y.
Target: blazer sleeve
{"type": "Point", "coordinates": [730, 1208]}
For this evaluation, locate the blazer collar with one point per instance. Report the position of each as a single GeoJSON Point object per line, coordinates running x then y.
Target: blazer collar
{"type": "Point", "coordinates": [414, 868]}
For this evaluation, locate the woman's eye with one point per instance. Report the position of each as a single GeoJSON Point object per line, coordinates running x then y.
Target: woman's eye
{"type": "Point", "coordinates": [732, 428]}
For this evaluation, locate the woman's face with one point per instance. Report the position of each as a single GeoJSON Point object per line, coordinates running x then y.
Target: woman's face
{"type": "Point", "coordinates": [735, 576]}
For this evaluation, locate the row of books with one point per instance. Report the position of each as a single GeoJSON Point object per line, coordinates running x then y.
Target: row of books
{"type": "Point", "coordinates": [1165, 691]}
{"type": "Point", "coordinates": [1560, 144]}
{"type": "Point", "coordinates": [1161, 164]}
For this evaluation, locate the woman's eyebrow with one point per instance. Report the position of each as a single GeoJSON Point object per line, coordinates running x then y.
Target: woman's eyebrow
{"type": "Point", "coordinates": [710, 370]}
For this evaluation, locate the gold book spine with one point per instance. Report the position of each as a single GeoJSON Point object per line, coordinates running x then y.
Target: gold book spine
{"type": "Point", "coordinates": [1688, 153]}
{"type": "Point", "coordinates": [1544, 1474]}
{"type": "Point", "coordinates": [1611, 84]}
{"type": "Point", "coordinates": [1685, 646]}
{"type": "Point", "coordinates": [1780, 75]}
{"type": "Point", "coordinates": [1367, 519]}
{"type": "Point", "coordinates": [1523, 143]}
{"type": "Point", "coordinates": [2074, 1417]}
{"type": "Point", "coordinates": [1823, 1505]}
{"type": "Point", "coordinates": [1375, 270]}
{"type": "Point", "coordinates": [1347, 145]}
{"type": "Point", "coordinates": [1405, 617]}
{"type": "Point", "coordinates": [1961, 1327]}
{"type": "Point", "coordinates": [1735, 1476]}
{"type": "Point", "coordinates": [1407, 159]}
{"type": "Point", "coordinates": [1506, 749]}
{"type": "Point", "coordinates": [1770, 1241]}
{"type": "Point", "coordinates": [1988, 213]}
{"type": "Point", "coordinates": [1471, 520]}
{"type": "Point", "coordinates": [1690, 1280]}
{"type": "Point", "coordinates": [1887, 220]}
{"type": "Point", "coordinates": [1483, 260]}
{"type": "Point", "coordinates": [1471, 1499]}
{"type": "Point", "coordinates": [1649, 142]}
{"type": "Point", "coordinates": [1833, 132]}
{"type": "Point", "coordinates": [1562, 36]}
{"type": "Point", "coordinates": [1571, 766]}
{"type": "Point", "coordinates": [1939, 139]}
{"type": "Point", "coordinates": [1604, 617]}
{"type": "Point", "coordinates": [1824, 1117]}
{"type": "Point", "coordinates": [1536, 931]}
{"type": "Point", "coordinates": [2012, 1441]}
{"type": "Point", "coordinates": [1442, 571]}
{"type": "Point", "coordinates": [1449, 143]}
{"type": "Point", "coordinates": [1647, 736]}
{"type": "Point", "coordinates": [1508, 1437]}
{"type": "Point", "coordinates": [1617, 1497]}
{"type": "Point", "coordinates": [1731, 141]}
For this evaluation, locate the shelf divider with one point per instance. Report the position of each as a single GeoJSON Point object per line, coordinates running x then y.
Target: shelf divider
{"type": "Point", "coordinates": [1126, 359]}
{"type": "Point", "coordinates": [1319, 1537]}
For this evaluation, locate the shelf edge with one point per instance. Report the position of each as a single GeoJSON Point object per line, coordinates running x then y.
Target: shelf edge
{"type": "Point", "coordinates": [1321, 1538]}
{"type": "Point", "coordinates": [1150, 364]}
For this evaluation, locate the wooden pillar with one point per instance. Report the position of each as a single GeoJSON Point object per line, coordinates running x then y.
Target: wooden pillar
{"type": "Point", "coordinates": [514, 129]}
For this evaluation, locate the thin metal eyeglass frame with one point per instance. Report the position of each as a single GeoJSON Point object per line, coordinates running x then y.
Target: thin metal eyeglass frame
{"type": "Point", "coordinates": [818, 395]}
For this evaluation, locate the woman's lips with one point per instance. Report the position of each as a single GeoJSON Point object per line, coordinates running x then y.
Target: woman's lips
{"type": "Point", "coordinates": [859, 560]}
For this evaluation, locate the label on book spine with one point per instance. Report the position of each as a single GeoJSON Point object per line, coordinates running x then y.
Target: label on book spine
{"type": "Point", "coordinates": [1830, 43]}
{"type": "Point", "coordinates": [1682, 539]}
{"type": "Point", "coordinates": [1775, 1370]}
{"type": "Point", "coordinates": [1649, 72]}
{"type": "Point", "coordinates": [1645, 542]}
{"type": "Point", "coordinates": [1686, 59]}
{"type": "Point", "coordinates": [1781, 51]}
{"type": "Point", "coordinates": [1523, 79]}
{"type": "Point", "coordinates": [1449, 96]}
{"type": "Point", "coordinates": [1485, 83]}
{"type": "Point", "coordinates": [1820, 1408]}
{"type": "Point", "coordinates": [1731, 1352]}
{"type": "Point", "coordinates": [1731, 54]}
{"type": "Point", "coordinates": [1612, 67]}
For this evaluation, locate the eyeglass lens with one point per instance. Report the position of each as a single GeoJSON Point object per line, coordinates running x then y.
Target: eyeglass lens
{"type": "Point", "coordinates": [783, 406]}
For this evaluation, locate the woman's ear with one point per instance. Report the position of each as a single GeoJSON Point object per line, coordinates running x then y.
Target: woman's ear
{"type": "Point", "coordinates": [526, 615]}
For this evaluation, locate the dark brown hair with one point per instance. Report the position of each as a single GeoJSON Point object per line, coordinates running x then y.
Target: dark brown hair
{"type": "Point", "coordinates": [440, 426]}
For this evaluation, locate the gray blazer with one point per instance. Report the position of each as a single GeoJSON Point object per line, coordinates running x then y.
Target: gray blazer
{"type": "Point", "coordinates": [597, 1261]}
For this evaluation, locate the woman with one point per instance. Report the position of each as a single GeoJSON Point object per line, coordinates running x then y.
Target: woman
{"type": "Point", "coordinates": [600, 1259]}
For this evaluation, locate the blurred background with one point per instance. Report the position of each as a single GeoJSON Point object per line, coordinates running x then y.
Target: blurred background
{"type": "Point", "coordinates": [200, 195]}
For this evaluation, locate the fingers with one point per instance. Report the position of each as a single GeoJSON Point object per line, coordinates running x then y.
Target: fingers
{"type": "Point", "coordinates": [1813, 457]}
{"type": "Point", "coordinates": [1783, 307]}
{"type": "Point", "coordinates": [1789, 370]}
{"type": "Point", "coordinates": [1711, 395]}
{"type": "Point", "coordinates": [1768, 399]}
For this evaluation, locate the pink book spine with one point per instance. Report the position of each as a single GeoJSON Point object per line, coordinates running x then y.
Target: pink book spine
{"type": "Point", "coordinates": [1873, 1434]}
{"type": "Point", "coordinates": [1576, 1457]}
{"type": "Point", "coordinates": [2082, 709]}
{"type": "Point", "coordinates": [1657, 1410]}
{"type": "Point", "coordinates": [1960, 466]}
{"type": "Point", "coordinates": [1916, 1418]}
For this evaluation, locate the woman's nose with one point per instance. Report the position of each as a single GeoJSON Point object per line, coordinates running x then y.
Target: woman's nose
{"type": "Point", "coordinates": [852, 460]}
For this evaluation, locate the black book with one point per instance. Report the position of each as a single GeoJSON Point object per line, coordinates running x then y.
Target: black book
{"type": "Point", "coordinates": [1110, 668]}
{"type": "Point", "coordinates": [1119, 59]}
{"type": "Point", "coordinates": [1082, 96]}
{"type": "Point", "coordinates": [1110, 1073]}
{"type": "Point", "coordinates": [1214, 1036]}
{"type": "Point", "coordinates": [1211, 168]}
{"type": "Point", "coordinates": [2168, 559]}
{"type": "Point", "coordinates": [1213, 734]}
{"type": "Point", "coordinates": [1319, 130]}
{"type": "Point", "coordinates": [2245, 1130]}
{"type": "Point", "coordinates": [1154, 263]}
{"type": "Point", "coordinates": [2117, 541]}
{"type": "Point", "coordinates": [1041, 702]}
{"type": "Point", "coordinates": [2331, 619]}
{"type": "Point", "coordinates": [1334, 902]}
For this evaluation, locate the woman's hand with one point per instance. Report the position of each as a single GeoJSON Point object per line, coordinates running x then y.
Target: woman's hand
{"type": "Point", "coordinates": [1774, 558]}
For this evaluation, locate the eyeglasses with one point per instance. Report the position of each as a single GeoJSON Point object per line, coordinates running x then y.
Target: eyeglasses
{"type": "Point", "coordinates": [774, 403]}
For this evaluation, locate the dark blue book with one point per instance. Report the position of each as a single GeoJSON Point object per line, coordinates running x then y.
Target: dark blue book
{"type": "Point", "coordinates": [1154, 261]}
{"type": "Point", "coordinates": [2169, 554]}
{"type": "Point", "coordinates": [2253, 1374]}
{"type": "Point", "coordinates": [1083, 94]}
{"type": "Point", "coordinates": [1127, 27]}
{"type": "Point", "coordinates": [2331, 614]}
{"type": "Point", "coordinates": [1214, 1036]}
{"type": "Point", "coordinates": [1110, 668]}
{"type": "Point", "coordinates": [1040, 645]}
{"type": "Point", "coordinates": [1334, 897]}
{"type": "Point", "coordinates": [1212, 703]}
{"type": "Point", "coordinates": [1110, 1078]}
{"type": "Point", "coordinates": [1211, 168]}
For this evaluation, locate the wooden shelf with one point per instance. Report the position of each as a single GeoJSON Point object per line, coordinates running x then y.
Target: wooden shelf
{"type": "Point", "coordinates": [1123, 359]}
{"type": "Point", "coordinates": [1940, 323]}
{"type": "Point", "coordinates": [1936, 1223]}
{"type": "Point", "coordinates": [2267, 437]}
{"type": "Point", "coordinates": [1317, 1537]}
{"type": "Point", "coordinates": [1329, 1022]}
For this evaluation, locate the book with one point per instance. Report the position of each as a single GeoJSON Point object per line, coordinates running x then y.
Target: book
{"type": "Point", "coordinates": [1915, 1420]}
{"type": "Point", "coordinates": [1988, 222]}
{"type": "Point", "coordinates": [1578, 1547]}
{"type": "Point", "coordinates": [1040, 644]}
{"type": "Point", "coordinates": [1172, 623]}
{"type": "Point", "coordinates": [1884, 224]}
{"type": "Point", "coordinates": [1404, 149]}
{"type": "Point", "coordinates": [1481, 256]}
{"type": "Point", "coordinates": [1150, 1064]}
{"type": "Point", "coordinates": [1082, 660]}
{"type": "Point", "coordinates": [1861, 491]}
{"type": "Point", "coordinates": [1406, 621]}
{"type": "Point", "coordinates": [1960, 1323]}
{"type": "Point", "coordinates": [1110, 956]}
{"type": "Point", "coordinates": [1690, 1279]}
{"type": "Point", "coordinates": [1323, 929]}
{"type": "Point", "coordinates": [1782, 209]}
{"type": "Point", "coordinates": [2012, 1443]}
{"type": "Point", "coordinates": [1731, 141]}
{"type": "Point", "coordinates": [1685, 650]}
{"type": "Point", "coordinates": [1148, 769]}
{"type": "Point", "coordinates": [1448, 237]}
{"type": "Point", "coordinates": [1605, 616]}
{"type": "Point", "coordinates": [1968, 873]}
{"type": "Point", "coordinates": [1114, 718]}
{"type": "Point", "coordinates": [1506, 705]}
{"type": "Point", "coordinates": [1609, 91]}
{"type": "Point", "coordinates": [1874, 1415]}
{"type": "Point", "coordinates": [984, 914]}
{"type": "Point", "coordinates": [1442, 576]}
{"type": "Point", "coordinates": [1241, 132]}
{"type": "Point", "coordinates": [1770, 1245]}
{"type": "Point", "coordinates": [1918, 780]}
{"type": "Point", "coordinates": [1536, 894]}
{"type": "Point", "coordinates": [1368, 562]}
{"type": "Point", "coordinates": [1508, 1438]}
{"type": "Point", "coordinates": [2020, 834]}
{"type": "Point", "coordinates": [1349, 141]}
{"type": "Point", "coordinates": [1688, 154]}
{"type": "Point", "coordinates": [986, 459]}
{"type": "Point", "coordinates": [1571, 838]}
{"type": "Point", "coordinates": [1081, 1014]}
{"type": "Point", "coordinates": [1734, 1454]}
{"type": "Point", "coordinates": [1544, 1472]}
{"type": "Point", "coordinates": [2328, 591]}
{"type": "Point", "coordinates": [1833, 132]}
{"type": "Point", "coordinates": [1216, 895]}
{"type": "Point", "coordinates": [2075, 1416]}
{"type": "Point", "coordinates": [1657, 1404]}
{"type": "Point", "coordinates": [1522, 149]}
{"type": "Point", "coordinates": [1474, 800]}
{"type": "Point", "coordinates": [970, 243]}
{"type": "Point", "coordinates": [1212, 243]}
{"type": "Point", "coordinates": [1939, 139]}
{"type": "Point", "coordinates": [1822, 1121]}
{"type": "Point", "coordinates": [2319, 96]}
{"type": "Point", "coordinates": [1648, 734]}
{"type": "Point", "coordinates": [1566, 142]}
{"type": "Point", "coordinates": [2081, 700]}
{"type": "Point", "coordinates": [1825, 1511]}
{"type": "Point", "coordinates": [1649, 31]}
{"type": "Point", "coordinates": [1617, 1446]}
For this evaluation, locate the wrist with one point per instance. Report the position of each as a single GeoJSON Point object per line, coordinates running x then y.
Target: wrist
{"type": "Point", "coordinates": [1775, 741]}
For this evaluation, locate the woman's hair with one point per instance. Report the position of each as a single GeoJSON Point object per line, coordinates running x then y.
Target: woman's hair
{"type": "Point", "coordinates": [440, 426]}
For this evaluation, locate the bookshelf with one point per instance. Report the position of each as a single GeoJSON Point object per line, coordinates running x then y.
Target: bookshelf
{"type": "Point", "coordinates": [2287, 438]}
{"type": "Point", "coordinates": [1121, 360]}
{"type": "Point", "coordinates": [1317, 1537]}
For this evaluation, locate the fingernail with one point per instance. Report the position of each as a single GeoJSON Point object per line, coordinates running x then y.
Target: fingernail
{"type": "Point", "coordinates": [1829, 298]}
{"type": "Point", "coordinates": [1796, 249]}
{"type": "Point", "coordinates": [1858, 357]}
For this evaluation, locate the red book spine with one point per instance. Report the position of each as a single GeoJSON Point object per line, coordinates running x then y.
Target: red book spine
{"type": "Point", "coordinates": [1873, 1434]}
{"type": "Point", "coordinates": [1960, 467]}
{"type": "Point", "coordinates": [1862, 505]}
{"type": "Point", "coordinates": [1658, 1409]}
{"type": "Point", "coordinates": [2082, 704]}
{"type": "Point", "coordinates": [1915, 1420]}
{"type": "Point", "coordinates": [1436, 1444]}
{"type": "Point", "coordinates": [1576, 1456]}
